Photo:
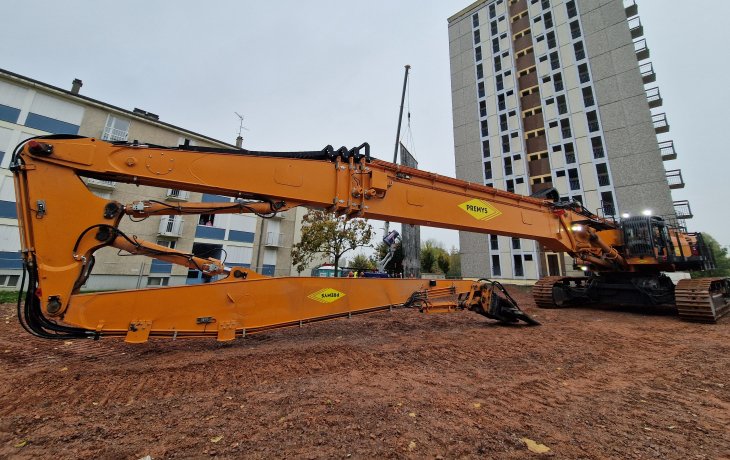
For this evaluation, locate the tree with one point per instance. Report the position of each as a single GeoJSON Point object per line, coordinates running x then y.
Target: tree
{"type": "Point", "coordinates": [362, 262]}
{"type": "Point", "coordinates": [722, 261]}
{"type": "Point", "coordinates": [442, 260]}
{"type": "Point", "coordinates": [455, 268]}
{"type": "Point", "coordinates": [325, 233]}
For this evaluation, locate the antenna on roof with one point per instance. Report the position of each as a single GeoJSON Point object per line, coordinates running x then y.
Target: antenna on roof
{"type": "Point", "coordinates": [241, 128]}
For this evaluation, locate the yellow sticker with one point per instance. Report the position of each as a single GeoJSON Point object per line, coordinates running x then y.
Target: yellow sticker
{"type": "Point", "coordinates": [480, 210]}
{"type": "Point", "coordinates": [327, 295]}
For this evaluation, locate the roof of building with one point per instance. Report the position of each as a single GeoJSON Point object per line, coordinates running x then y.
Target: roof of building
{"type": "Point", "coordinates": [468, 10]}
{"type": "Point", "coordinates": [137, 115]}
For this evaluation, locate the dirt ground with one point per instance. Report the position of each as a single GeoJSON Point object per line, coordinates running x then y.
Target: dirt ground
{"type": "Point", "coordinates": [586, 384]}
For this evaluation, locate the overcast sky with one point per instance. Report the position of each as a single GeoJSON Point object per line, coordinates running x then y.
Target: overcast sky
{"type": "Point", "coordinates": [308, 74]}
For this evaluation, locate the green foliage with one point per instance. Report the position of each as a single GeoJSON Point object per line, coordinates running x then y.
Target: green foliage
{"type": "Point", "coordinates": [8, 296]}
{"type": "Point", "coordinates": [455, 265]}
{"type": "Point", "coordinates": [325, 233]}
{"type": "Point", "coordinates": [722, 261]}
{"type": "Point", "coordinates": [361, 262]}
{"type": "Point", "coordinates": [434, 258]}
{"type": "Point", "coordinates": [444, 262]}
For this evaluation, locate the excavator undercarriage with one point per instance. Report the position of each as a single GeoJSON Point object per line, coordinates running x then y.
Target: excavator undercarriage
{"type": "Point", "coordinates": [702, 300]}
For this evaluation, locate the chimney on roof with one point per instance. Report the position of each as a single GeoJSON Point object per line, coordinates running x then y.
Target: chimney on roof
{"type": "Point", "coordinates": [239, 142]}
{"type": "Point", "coordinates": [76, 86]}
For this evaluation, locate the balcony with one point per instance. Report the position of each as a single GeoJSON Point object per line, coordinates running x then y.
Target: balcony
{"type": "Point", "coordinates": [530, 101]}
{"type": "Point", "coordinates": [539, 167]}
{"type": "Point", "coordinates": [523, 43]}
{"type": "Point", "coordinates": [533, 122]}
{"type": "Point", "coordinates": [674, 177]}
{"type": "Point", "coordinates": [517, 7]}
{"type": "Point", "coordinates": [661, 125]}
{"type": "Point", "coordinates": [635, 27]}
{"type": "Point", "coordinates": [647, 73]}
{"type": "Point", "coordinates": [177, 195]}
{"type": "Point", "coordinates": [101, 184]}
{"type": "Point", "coordinates": [525, 62]}
{"type": "Point", "coordinates": [654, 97]}
{"type": "Point", "coordinates": [537, 144]}
{"type": "Point", "coordinates": [528, 81]}
{"type": "Point", "coordinates": [114, 135]}
{"type": "Point", "coordinates": [536, 188]}
{"type": "Point", "coordinates": [683, 210]}
{"type": "Point", "coordinates": [274, 239]}
{"type": "Point", "coordinates": [521, 24]}
{"type": "Point", "coordinates": [642, 49]}
{"type": "Point", "coordinates": [632, 9]}
{"type": "Point", "coordinates": [667, 150]}
{"type": "Point", "coordinates": [171, 226]}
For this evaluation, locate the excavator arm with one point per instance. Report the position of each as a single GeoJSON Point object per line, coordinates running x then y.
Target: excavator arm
{"type": "Point", "coordinates": [62, 224]}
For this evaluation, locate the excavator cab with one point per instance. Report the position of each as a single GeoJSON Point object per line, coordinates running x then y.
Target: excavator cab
{"type": "Point", "coordinates": [646, 237]}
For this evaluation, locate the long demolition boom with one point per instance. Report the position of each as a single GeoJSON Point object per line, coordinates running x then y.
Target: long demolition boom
{"type": "Point", "coordinates": [62, 224]}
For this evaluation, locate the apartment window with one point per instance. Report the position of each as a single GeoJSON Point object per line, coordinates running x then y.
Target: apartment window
{"type": "Point", "coordinates": [548, 18]}
{"type": "Point", "coordinates": [578, 198]}
{"type": "Point", "coordinates": [494, 242]}
{"type": "Point", "coordinates": [500, 82]}
{"type": "Point", "coordinates": [495, 45]}
{"type": "Point", "coordinates": [572, 11]}
{"type": "Point", "coordinates": [558, 82]}
{"type": "Point", "coordinates": [609, 208]}
{"type": "Point", "coordinates": [510, 186]}
{"type": "Point", "coordinates": [158, 281]}
{"type": "Point", "coordinates": [588, 99]}
{"type": "Point", "coordinates": [505, 144]}
{"type": "Point", "coordinates": [520, 180]}
{"type": "Point", "coordinates": [569, 153]}
{"type": "Point", "coordinates": [551, 43]}
{"type": "Point", "coordinates": [492, 11]}
{"type": "Point", "coordinates": [487, 170]}
{"type": "Point", "coordinates": [580, 52]}
{"type": "Point", "coordinates": [583, 73]}
{"type": "Point", "coordinates": [485, 128]}
{"type": "Point", "coordinates": [496, 266]}
{"type": "Point", "coordinates": [553, 124]}
{"type": "Point", "coordinates": [478, 53]}
{"type": "Point", "coordinates": [167, 243]}
{"type": "Point", "coordinates": [565, 128]}
{"type": "Point", "coordinates": [497, 64]}
{"type": "Point", "coordinates": [508, 166]}
{"type": "Point", "coordinates": [475, 20]}
{"type": "Point", "coordinates": [519, 269]}
{"type": "Point", "coordinates": [493, 27]}
{"type": "Point", "coordinates": [549, 101]}
{"type": "Point", "coordinates": [480, 89]}
{"type": "Point", "coordinates": [545, 4]}
{"type": "Point", "coordinates": [573, 179]}
{"type": "Point", "coordinates": [597, 144]}
{"type": "Point", "coordinates": [554, 60]}
{"type": "Point", "coordinates": [562, 105]}
{"type": "Point", "coordinates": [116, 129]}
{"type": "Point", "coordinates": [485, 149]}
{"type": "Point", "coordinates": [515, 243]}
{"type": "Point", "coordinates": [602, 173]}
{"type": "Point", "coordinates": [560, 173]}
{"type": "Point", "coordinates": [477, 37]}
{"type": "Point", "coordinates": [503, 122]}
{"type": "Point", "coordinates": [575, 29]}
{"type": "Point", "coordinates": [528, 257]}
{"type": "Point", "coordinates": [501, 104]}
{"type": "Point", "coordinates": [592, 117]}
{"type": "Point", "coordinates": [540, 38]}
{"type": "Point", "coordinates": [482, 109]}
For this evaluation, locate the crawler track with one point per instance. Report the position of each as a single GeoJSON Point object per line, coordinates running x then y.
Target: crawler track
{"type": "Point", "coordinates": [542, 292]}
{"type": "Point", "coordinates": [703, 300]}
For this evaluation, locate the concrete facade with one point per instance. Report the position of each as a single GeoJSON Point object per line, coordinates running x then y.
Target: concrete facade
{"type": "Point", "coordinates": [551, 94]}
{"type": "Point", "coordinates": [31, 108]}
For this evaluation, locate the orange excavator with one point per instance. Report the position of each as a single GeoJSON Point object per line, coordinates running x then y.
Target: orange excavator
{"type": "Point", "coordinates": [62, 224]}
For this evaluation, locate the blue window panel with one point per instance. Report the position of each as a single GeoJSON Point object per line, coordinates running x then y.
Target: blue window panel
{"type": "Point", "coordinates": [268, 270]}
{"type": "Point", "coordinates": [208, 198]}
{"type": "Point", "coordinates": [9, 114]}
{"type": "Point", "coordinates": [212, 233]}
{"type": "Point", "coordinates": [237, 264]}
{"type": "Point", "coordinates": [159, 266]}
{"type": "Point", "coordinates": [50, 124]}
{"type": "Point", "coordinates": [11, 260]}
{"type": "Point", "coordinates": [242, 237]}
{"type": "Point", "coordinates": [8, 209]}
